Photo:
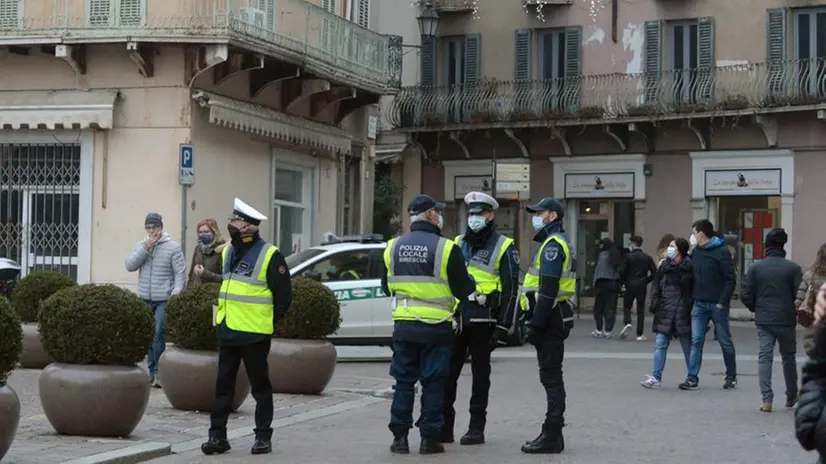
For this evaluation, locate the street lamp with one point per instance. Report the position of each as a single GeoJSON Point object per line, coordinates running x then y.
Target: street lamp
{"type": "Point", "coordinates": [428, 21]}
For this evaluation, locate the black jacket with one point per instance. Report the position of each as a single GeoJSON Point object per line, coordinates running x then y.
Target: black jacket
{"type": "Point", "coordinates": [770, 287]}
{"type": "Point", "coordinates": [638, 269]}
{"type": "Point", "coordinates": [809, 419]}
{"type": "Point", "coordinates": [714, 276]}
{"type": "Point", "coordinates": [671, 297]}
{"type": "Point", "coordinates": [461, 285]}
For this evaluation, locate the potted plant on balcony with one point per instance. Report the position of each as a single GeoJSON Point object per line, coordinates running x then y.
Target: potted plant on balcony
{"type": "Point", "coordinates": [189, 368]}
{"type": "Point", "coordinates": [644, 109]}
{"type": "Point", "coordinates": [433, 119]}
{"type": "Point", "coordinates": [301, 360]}
{"type": "Point", "coordinates": [97, 335]}
{"type": "Point", "coordinates": [11, 344]}
{"type": "Point", "coordinates": [28, 294]}
{"type": "Point", "coordinates": [591, 112]}
{"type": "Point", "coordinates": [735, 102]}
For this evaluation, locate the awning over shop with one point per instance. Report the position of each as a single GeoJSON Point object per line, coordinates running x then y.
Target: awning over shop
{"type": "Point", "coordinates": [58, 109]}
{"type": "Point", "coordinates": [389, 153]}
{"type": "Point", "coordinates": [259, 120]}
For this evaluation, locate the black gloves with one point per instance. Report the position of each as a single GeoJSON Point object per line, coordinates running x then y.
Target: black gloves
{"type": "Point", "coordinates": [534, 335]}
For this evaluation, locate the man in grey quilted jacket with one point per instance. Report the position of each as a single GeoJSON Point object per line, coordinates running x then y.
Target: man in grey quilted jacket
{"type": "Point", "coordinates": [161, 268]}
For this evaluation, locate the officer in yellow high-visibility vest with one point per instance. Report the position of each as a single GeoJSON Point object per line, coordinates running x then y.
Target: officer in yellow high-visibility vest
{"type": "Point", "coordinates": [493, 262]}
{"type": "Point", "coordinates": [256, 289]}
{"type": "Point", "coordinates": [549, 286]}
{"type": "Point", "coordinates": [425, 274]}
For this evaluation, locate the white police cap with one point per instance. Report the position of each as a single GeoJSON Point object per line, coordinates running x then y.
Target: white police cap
{"type": "Point", "coordinates": [246, 213]}
{"type": "Point", "coordinates": [478, 202]}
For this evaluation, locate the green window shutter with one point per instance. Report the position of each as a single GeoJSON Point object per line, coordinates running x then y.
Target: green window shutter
{"type": "Point", "coordinates": [776, 49]}
{"type": "Point", "coordinates": [522, 71]}
{"type": "Point", "coordinates": [473, 52]}
{"type": "Point", "coordinates": [705, 58]}
{"type": "Point", "coordinates": [428, 64]}
{"type": "Point", "coordinates": [653, 58]}
{"type": "Point", "coordinates": [10, 13]}
{"type": "Point", "coordinates": [99, 12]}
{"type": "Point", "coordinates": [572, 91]}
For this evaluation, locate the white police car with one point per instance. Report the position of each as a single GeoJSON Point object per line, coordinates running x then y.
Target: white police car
{"type": "Point", "coordinates": [352, 267]}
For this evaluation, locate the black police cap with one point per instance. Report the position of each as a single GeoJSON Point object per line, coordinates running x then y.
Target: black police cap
{"type": "Point", "coordinates": [547, 204]}
{"type": "Point", "coordinates": [422, 203]}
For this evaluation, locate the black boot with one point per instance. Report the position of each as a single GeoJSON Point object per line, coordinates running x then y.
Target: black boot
{"type": "Point", "coordinates": [217, 444]}
{"type": "Point", "coordinates": [431, 446]}
{"type": "Point", "coordinates": [538, 437]}
{"type": "Point", "coordinates": [549, 442]}
{"type": "Point", "coordinates": [474, 436]}
{"type": "Point", "coordinates": [400, 445]}
{"type": "Point", "coordinates": [261, 446]}
{"type": "Point", "coordinates": [446, 436]}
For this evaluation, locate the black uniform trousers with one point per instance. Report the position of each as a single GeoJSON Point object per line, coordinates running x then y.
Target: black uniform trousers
{"type": "Point", "coordinates": [549, 355]}
{"type": "Point", "coordinates": [475, 338]}
{"type": "Point", "coordinates": [254, 356]}
{"type": "Point", "coordinates": [634, 293]}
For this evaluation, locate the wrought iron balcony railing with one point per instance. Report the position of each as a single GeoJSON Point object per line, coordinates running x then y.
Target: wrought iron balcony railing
{"type": "Point", "coordinates": [600, 98]}
{"type": "Point", "coordinates": [292, 28]}
{"type": "Point", "coordinates": [453, 5]}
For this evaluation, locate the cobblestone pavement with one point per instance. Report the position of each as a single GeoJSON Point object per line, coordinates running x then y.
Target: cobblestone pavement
{"type": "Point", "coordinates": [611, 419]}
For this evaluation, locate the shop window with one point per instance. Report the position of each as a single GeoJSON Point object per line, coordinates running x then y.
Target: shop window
{"type": "Point", "coordinates": [292, 208]}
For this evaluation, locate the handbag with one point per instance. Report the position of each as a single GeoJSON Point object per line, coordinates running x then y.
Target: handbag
{"type": "Point", "coordinates": [805, 312]}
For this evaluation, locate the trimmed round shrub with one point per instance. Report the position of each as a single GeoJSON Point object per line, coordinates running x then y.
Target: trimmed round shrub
{"type": "Point", "coordinates": [11, 340]}
{"type": "Point", "coordinates": [33, 289]}
{"type": "Point", "coordinates": [314, 314]}
{"type": "Point", "coordinates": [189, 317]}
{"type": "Point", "coordinates": [96, 324]}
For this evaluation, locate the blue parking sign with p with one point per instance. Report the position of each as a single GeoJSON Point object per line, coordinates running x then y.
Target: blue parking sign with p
{"type": "Point", "coordinates": [187, 165]}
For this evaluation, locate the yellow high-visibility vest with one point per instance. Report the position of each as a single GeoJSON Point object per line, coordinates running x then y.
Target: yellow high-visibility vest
{"type": "Point", "coordinates": [567, 282]}
{"type": "Point", "coordinates": [245, 302]}
{"type": "Point", "coordinates": [487, 275]}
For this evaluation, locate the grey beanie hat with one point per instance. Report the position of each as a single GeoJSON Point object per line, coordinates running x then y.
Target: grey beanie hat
{"type": "Point", "coordinates": [153, 219]}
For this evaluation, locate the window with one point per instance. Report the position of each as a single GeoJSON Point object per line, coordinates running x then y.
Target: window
{"type": "Point", "coordinates": [453, 53]}
{"type": "Point", "coordinates": [10, 13]}
{"type": "Point", "coordinates": [328, 27]}
{"type": "Point", "coordinates": [115, 13]}
{"type": "Point", "coordinates": [559, 69]}
{"type": "Point", "coordinates": [377, 269]}
{"type": "Point", "coordinates": [361, 14]}
{"type": "Point", "coordinates": [810, 50]}
{"type": "Point", "coordinates": [292, 208]}
{"type": "Point", "coordinates": [350, 192]}
{"type": "Point", "coordinates": [340, 267]}
{"type": "Point", "coordinates": [552, 54]}
{"type": "Point", "coordinates": [687, 53]}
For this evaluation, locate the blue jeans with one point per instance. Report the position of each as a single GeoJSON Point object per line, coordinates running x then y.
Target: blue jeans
{"type": "Point", "coordinates": [419, 362]}
{"type": "Point", "coordinates": [701, 312]}
{"type": "Point", "coordinates": [159, 343]}
{"type": "Point", "coordinates": [661, 344]}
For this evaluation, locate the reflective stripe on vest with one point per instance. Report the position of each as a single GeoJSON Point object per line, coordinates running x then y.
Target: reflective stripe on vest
{"type": "Point", "coordinates": [245, 301]}
{"type": "Point", "coordinates": [487, 275]}
{"type": "Point", "coordinates": [425, 298]}
{"type": "Point", "coordinates": [567, 282]}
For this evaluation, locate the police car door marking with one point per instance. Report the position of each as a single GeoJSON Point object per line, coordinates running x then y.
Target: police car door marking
{"type": "Point", "coordinates": [361, 293]}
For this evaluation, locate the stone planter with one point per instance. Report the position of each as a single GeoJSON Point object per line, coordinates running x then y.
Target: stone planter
{"type": "Point", "coordinates": [188, 379]}
{"type": "Point", "coordinates": [301, 366]}
{"type": "Point", "coordinates": [9, 418]}
{"type": "Point", "coordinates": [33, 355]}
{"type": "Point", "coordinates": [95, 401]}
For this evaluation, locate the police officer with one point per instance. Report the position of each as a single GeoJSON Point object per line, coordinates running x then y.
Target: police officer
{"type": "Point", "coordinates": [549, 286]}
{"type": "Point", "coordinates": [425, 275]}
{"type": "Point", "coordinates": [493, 262]}
{"type": "Point", "coordinates": [255, 290]}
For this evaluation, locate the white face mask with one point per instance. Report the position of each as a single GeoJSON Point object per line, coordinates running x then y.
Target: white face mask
{"type": "Point", "coordinates": [692, 240]}
{"type": "Point", "coordinates": [538, 223]}
{"type": "Point", "coordinates": [671, 252]}
{"type": "Point", "coordinates": [476, 223]}
{"type": "Point", "coordinates": [441, 223]}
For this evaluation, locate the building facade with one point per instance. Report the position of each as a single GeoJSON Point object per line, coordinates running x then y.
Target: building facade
{"type": "Point", "coordinates": [103, 103]}
{"type": "Point", "coordinates": [643, 116]}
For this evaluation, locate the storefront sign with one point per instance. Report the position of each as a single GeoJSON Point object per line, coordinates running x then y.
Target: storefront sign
{"type": "Point", "coordinates": [743, 182]}
{"type": "Point", "coordinates": [513, 179]}
{"type": "Point", "coordinates": [600, 185]}
{"type": "Point", "coordinates": [462, 185]}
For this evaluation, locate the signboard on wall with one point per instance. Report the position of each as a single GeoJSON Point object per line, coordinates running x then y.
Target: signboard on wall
{"type": "Point", "coordinates": [742, 182]}
{"type": "Point", "coordinates": [462, 185]}
{"type": "Point", "coordinates": [600, 185]}
{"type": "Point", "coordinates": [513, 179]}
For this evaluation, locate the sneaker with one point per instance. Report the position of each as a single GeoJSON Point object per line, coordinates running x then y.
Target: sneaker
{"type": "Point", "coordinates": [641, 338]}
{"type": "Point", "coordinates": [156, 383]}
{"type": "Point", "coordinates": [689, 385]}
{"type": "Point", "coordinates": [607, 335]}
{"type": "Point", "coordinates": [598, 334]}
{"type": "Point", "coordinates": [651, 382]}
{"type": "Point", "coordinates": [766, 407]}
{"type": "Point", "coordinates": [791, 400]}
{"type": "Point", "coordinates": [730, 383]}
{"type": "Point", "coordinates": [624, 331]}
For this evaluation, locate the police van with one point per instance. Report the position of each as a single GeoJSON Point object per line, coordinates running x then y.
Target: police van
{"type": "Point", "coordinates": [351, 267]}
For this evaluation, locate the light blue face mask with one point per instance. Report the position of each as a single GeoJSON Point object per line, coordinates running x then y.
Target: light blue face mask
{"type": "Point", "coordinates": [476, 223]}
{"type": "Point", "coordinates": [537, 222]}
{"type": "Point", "coordinates": [441, 223]}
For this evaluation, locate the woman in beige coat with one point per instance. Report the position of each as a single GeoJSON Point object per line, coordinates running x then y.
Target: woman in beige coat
{"type": "Point", "coordinates": [206, 260]}
{"type": "Point", "coordinates": [814, 278]}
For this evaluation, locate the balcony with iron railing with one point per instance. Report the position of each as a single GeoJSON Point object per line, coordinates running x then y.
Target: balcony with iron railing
{"type": "Point", "coordinates": [294, 30]}
{"type": "Point", "coordinates": [599, 99]}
